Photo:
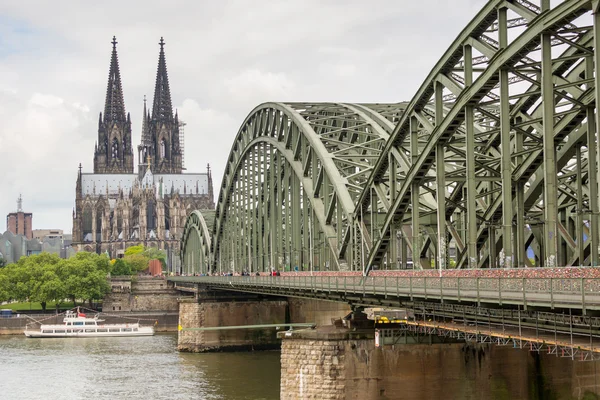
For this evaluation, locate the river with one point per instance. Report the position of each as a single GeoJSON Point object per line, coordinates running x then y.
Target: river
{"type": "Point", "coordinates": [152, 368]}
{"type": "Point", "coordinates": [130, 368]}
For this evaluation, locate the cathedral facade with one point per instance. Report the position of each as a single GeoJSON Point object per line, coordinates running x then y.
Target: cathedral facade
{"type": "Point", "coordinates": [116, 208]}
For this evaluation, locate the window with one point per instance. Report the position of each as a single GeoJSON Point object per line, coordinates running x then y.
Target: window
{"type": "Point", "coordinates": [115, 149]}
{"type": "Point", "coordinates": [163, 148]}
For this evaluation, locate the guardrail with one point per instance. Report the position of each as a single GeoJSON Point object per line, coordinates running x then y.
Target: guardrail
{"type": "Point", "coordinates": [580, 293]}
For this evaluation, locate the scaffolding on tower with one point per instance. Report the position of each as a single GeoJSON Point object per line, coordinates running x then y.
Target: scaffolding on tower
{"type": "Point", "coordinates": [182, 142]}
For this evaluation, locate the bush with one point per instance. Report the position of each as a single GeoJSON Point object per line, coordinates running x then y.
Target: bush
{"type": "Point", "coordinates": [121, 267]}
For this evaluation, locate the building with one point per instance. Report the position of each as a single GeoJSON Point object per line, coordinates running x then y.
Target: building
{"type": "Point", "coordinates": [19, 222]}
{"type": "Point", "coordinates": [13, 247]}
{"type": "Point", "coordinates": [40, 234]}
{"type": "Point", "coordinates": [116, 208]}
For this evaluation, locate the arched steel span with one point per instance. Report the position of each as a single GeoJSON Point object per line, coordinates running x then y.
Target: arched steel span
{"type": "Point", "coordinates": [291, 182]}
{"type": "Point", "coordinates": [196, 243]}
{"type": "Point", "coordinates": [495, 155]}
{"type": "Point", "coordinates": [503, 134]}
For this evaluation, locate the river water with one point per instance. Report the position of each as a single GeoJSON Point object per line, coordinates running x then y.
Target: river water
{"type": "Point", "coordinates": [152, 368]}
{"type": "Point", "coordinates": [130, 368]}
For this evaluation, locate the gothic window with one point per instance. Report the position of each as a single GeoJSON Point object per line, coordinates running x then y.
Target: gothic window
{"type": "Point", "coordinates": [151, 215]}
{"type": "Point", "coordinates": [167, 218]}
{"type": "Point", "coordinates": [115, 149]}
{"type": "Point", "coordinates": [87, 225]}
{"type": "Point", "coordinates": [99, 215]}
{"type": "Point", "coordinates": [119, 223]}
{"type": "Point", "coordinates": [163, 148]}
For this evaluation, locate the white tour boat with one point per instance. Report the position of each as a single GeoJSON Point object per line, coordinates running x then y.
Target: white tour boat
{"type": "Point", "coordinates": [77, 324]}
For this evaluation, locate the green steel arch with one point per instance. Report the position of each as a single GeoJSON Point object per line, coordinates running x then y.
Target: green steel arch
{"type": "Point", "coordinates": [196, 242]}
{"type": "Point", "coordinates": [289, 189]}
{"type": "Point", "coordinates": [493, 163]}
{"type": "Point", "coordinates": [503, 135]}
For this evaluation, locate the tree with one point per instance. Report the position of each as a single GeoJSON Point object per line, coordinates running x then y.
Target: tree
{"type": "Point", "coordinates": [85, 276]}
{"type": "Point", "coordinates": [137, 262]}
{"type": "Point", "coordinates": [134, 250]}
{"type": "Point", "coordinates": [120, 267]}
{"type": "Point", "coordinates": [27, 277]}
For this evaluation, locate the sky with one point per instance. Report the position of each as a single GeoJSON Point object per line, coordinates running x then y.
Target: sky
{"type": "Point", "coordinates": [223, 58]}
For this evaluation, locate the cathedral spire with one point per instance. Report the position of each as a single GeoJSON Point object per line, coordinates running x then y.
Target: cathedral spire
{"type": "Point", "coordinates": [162, 109]}
{"type": "Point", "coordinates": [114, 107]}
{"type": "Point", "coordinates": [146, 139]}
{"type": "Point", "coordinates": [114, 154]}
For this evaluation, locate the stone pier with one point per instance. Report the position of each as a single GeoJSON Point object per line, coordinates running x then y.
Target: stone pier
{"type": "Point", "coordinates": [229, 311]}
{"type": "Point", "coordinates": [330, 363]}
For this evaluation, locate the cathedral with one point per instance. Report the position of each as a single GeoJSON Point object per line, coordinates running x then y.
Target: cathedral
{"type": "Point", "coordinates": [116, 208]}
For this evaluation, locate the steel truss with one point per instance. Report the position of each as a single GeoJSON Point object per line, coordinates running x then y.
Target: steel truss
{"type": "Point", "coordinates": [502, 135]}
{"type": "Point", "coordinates": [565, 335]}
{"type": "Point", "coordinates": [291, 183]}
{"type": "Point", "coordinates": [423, 329]}
{"type": "Point", "coordinates": [495, 155]}
{"type": "Point", "coordinates": [196, 242]}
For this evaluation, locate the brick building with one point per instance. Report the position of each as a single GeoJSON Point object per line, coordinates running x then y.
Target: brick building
{"type": "Point", "coordinates": [19, 222]}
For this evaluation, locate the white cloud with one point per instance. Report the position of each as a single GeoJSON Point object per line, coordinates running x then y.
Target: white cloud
{"type": "Point", "coordinates": [223, 57]}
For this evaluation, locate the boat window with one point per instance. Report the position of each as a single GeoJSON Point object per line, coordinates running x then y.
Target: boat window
{"type": "Point", "coordinates": [135, 329]}
{"type": "Point", "coordinates": [47, 331]}
{"type": "Point", "coordinates": [90, 322]}
{"type": "Point", "coordinates": [78, 323]}
{"type": "Point", "coordinates": [90, 330]}
{"type": "Point", "coordinates": [113, 330]}
{"type": "Point", "coordinates": [68, 323]}
{"type": "Point", "coordinates": [101, 330]}
{"type": "Point", "coordinates": [126, 329]}
{"type": "Point", "coordinates": [69, 331]}
{"type": "Point", "coordinates": [59, 331]}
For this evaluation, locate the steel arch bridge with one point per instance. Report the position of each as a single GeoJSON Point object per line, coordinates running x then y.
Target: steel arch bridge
{"type": "Point", "coordinates": [493, 163]}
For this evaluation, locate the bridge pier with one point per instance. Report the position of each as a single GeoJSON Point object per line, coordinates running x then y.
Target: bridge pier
{"type": "Point", "coordinates": [212, 309]}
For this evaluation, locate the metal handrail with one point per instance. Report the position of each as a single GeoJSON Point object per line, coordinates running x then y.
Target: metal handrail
{"type": "Point", "coordinates": [575, 292]}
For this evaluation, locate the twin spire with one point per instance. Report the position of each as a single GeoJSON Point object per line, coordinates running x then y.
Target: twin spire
{"type": "Point", "coordinates": [114, 108]}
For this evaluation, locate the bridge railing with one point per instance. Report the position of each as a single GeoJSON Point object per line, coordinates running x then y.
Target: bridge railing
{"type": "Point", "coordinates": [573, 292]}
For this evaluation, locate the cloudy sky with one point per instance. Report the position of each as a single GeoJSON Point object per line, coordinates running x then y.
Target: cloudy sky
{"type": "Point", "coordinates": [223, 57]}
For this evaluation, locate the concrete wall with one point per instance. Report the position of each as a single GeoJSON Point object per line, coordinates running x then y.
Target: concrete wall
{"type": "Point", "coordinates": [229, 313]}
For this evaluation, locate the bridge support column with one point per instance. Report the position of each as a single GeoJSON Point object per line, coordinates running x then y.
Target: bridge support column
{"type": "Point", "coordinates": [229, 311]}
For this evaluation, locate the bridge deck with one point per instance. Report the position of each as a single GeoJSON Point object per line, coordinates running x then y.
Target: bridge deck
{"type": "Point", "coordinates": [578, 293]}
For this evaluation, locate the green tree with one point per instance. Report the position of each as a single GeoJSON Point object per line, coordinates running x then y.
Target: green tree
{"type": "Point", "coordinates": [121, 268]}
{"type": "Point", "coordinates": [138, 262]}
{"type": "Point", "coordinates": [85, 276]}
{"type": "Point", "coordinates": [52, 288]}
{"type": "Point", "coordinates": [134, 250]}
{"type": "Point", "coordinates": [27, 276]}
{"type": "Point", "coordinates": [5, 287]}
